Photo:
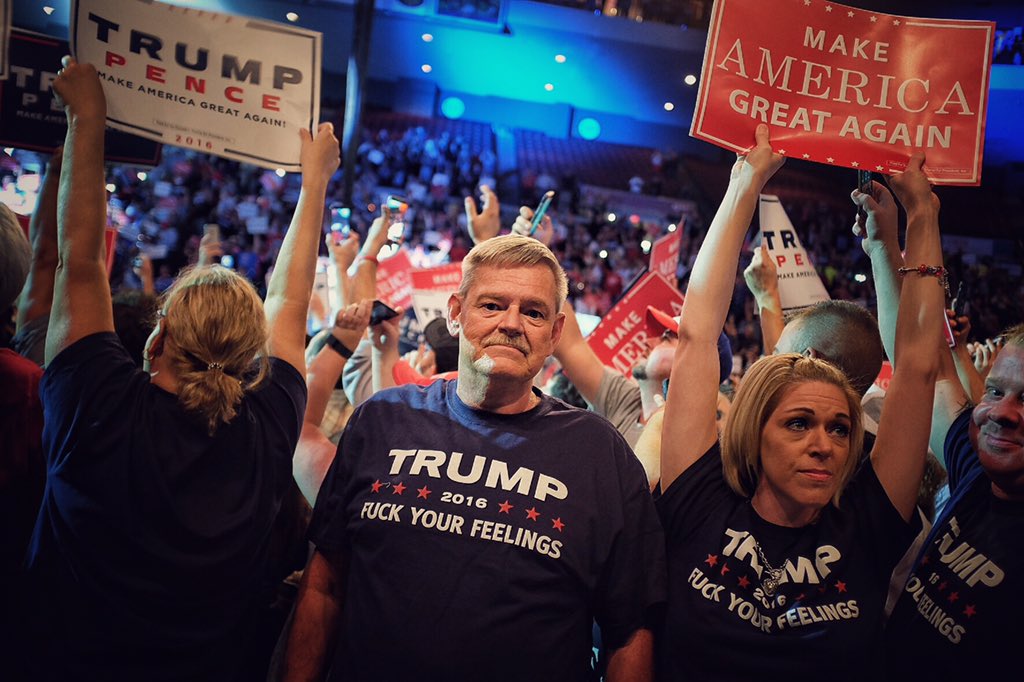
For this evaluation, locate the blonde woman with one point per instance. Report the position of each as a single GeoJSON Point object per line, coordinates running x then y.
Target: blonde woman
{"type": "Point", "coordinates": [780, 548]}
{"type": "Point", "coordinates": [162, 484]}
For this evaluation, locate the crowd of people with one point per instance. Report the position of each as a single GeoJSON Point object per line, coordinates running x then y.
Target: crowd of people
{"type": "Point", "coordinates": [195, 487]}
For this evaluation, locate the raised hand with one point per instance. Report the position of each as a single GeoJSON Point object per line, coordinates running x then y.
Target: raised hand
{"type": "Point", "coordinates": [759, 164]}
{"type": "Point", "coordinates": [78, 91]}
{"type": "Point", "coordinates": [523, 226]}
{"type": "Point", "coordinates": [912, 187]}
{"type": "Point", "coordinates": [320, 156]}
{"type": "Point", "coordinates": [878, 224]}
{"type": "Point", "coordinates": [487, 223]}
{"type": "Point", "coordinates": [351, 322]}
{"type": "Point", "coordinates": [761, 276]}
{"type": "Point", "coordinates": [210, 249]}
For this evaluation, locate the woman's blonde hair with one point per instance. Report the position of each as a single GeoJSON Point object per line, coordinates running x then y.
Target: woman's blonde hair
{"type": "Point", "coordinates": [760, 392]}
{"type": "Point", "coordinates": [218, 331]}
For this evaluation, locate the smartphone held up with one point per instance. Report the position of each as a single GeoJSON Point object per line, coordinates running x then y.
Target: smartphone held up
{"type": "Point", "coordinates": [398, 206]}
{"type": "Point", "coordinates": [341, 226]}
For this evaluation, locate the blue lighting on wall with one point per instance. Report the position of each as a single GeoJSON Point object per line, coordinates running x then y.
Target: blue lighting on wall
{"type": "Point", "coordinates": [453, 107]}
{"type": "Point", "coordinates": [588, 128]}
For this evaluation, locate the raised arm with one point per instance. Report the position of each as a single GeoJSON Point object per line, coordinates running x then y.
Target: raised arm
{"type": "Point", "coordinates": [290, 285]}
{"type": "Point", "coordinates": [314, 452]}
{"type": "Point", "coordinates": [899, 453]}
{"type": "Point", "coordinates": [879, 227]}
{"type": "Point", "coordinates": [577, 358]}
{"type": "Point", "coordinates": [689, 428]}
{"type": "Point", "coordinates": [762, 279]}
{"type": "Point", "coordinates": [37, 296]}
{"type": "Point", "coordinates": [486, 223]}
{"type": "Point", "coordinates": [81, 292]}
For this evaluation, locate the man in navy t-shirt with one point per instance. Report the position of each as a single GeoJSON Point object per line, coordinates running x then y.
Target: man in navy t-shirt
{"type": "Point", "coordinates": [475, 528]}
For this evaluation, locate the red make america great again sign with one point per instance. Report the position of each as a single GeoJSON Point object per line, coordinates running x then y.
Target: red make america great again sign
{"type": "Point", "coordinates": [847, 87]}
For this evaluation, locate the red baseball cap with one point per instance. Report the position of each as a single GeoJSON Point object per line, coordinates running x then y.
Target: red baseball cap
{"type": "Point", "coordinates": [658, 321]}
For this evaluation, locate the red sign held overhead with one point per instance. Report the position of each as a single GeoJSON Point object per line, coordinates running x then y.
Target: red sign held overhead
{"type": "Point", "coordinates": [621, 337]}
{"type": "Point", "coordinates": [665, 255]}
{"type": "Point", "coordinates": [844, 86]}
{"type": "Point", "coordinates": [442, 278]}
{"type": "Point", "coordinates": [394, 283]}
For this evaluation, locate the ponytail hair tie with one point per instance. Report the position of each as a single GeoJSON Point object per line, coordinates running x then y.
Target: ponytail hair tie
{"type": "Point", "coordinates": [215, 366]}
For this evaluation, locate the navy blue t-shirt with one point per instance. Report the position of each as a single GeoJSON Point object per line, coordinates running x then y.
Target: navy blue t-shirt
{"type": "Point", "coordinates": [483, 546]}
{"type": "Point", "coordinates": [957, 616]}
{"type": "Point", "coordinates": [823, 622]}
{"type": "Point", "coordinates": [152, 536]}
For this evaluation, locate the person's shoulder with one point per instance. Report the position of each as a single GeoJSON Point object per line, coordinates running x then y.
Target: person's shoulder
{"type": "Point", "coordinates": [15, 367]}
{"type": "Point", "coordinates": [594, 424]}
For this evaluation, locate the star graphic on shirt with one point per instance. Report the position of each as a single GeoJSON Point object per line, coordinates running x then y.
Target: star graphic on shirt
{"type": "Point", "coordinates": [504, 507]}
{"type": "Point", "coordinates": [743, 582]}
{"type": "Point", "coordinates": [807, 156]}
{"type": "Point", "coordinates": [855, 164]}
{"type": "Point", "coordinates": [532, 513]}
{"type": "Point", "coordinates": [970, 611]}
{"type": "Point", "coordinates": [822, 589]}
{"type": "Point", "coordinates": [711, 560]}
{"type": "Point", "coordinates": [953, 596]}
{"type": "Point", "coordinates": [943, 585]}
{"type": "Point", "coordinates": [801, 596]}
{"type": "Point", "coordinates": [557, 524]}
{"type": "Point", "coordinates": [399, 489]}
{"type": "Point", "coordinates": [874, 19]}
{"type": "Point", "coordinates": [725, 569]}
{"type": "Point", "coordinates": [841, 586]}
{"type": "Point", "coordinates": [377, 485]}
{"type": "Point", "coordinates": [895, 22]}
{"type": "Point", "coordinates": [423, 492]}
{"type": "Point", "coordinates": [924, 560]}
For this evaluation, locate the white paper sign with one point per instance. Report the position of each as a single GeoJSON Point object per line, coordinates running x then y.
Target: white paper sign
{"type": "Point", "coordinates": [5, 37]}
{"type": "Point", "coordinates": [430, 305]}
{"type": "Point", "coordinates": [228, 85]}
{"type": "Point", "coordinates": [799, 283]}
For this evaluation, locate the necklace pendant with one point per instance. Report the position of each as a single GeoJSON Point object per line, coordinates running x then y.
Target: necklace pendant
{"type": "Point", "coordinates": [769, 585]}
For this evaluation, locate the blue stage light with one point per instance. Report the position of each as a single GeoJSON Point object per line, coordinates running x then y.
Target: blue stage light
{"type": "Point", "coordinates": [453, 107]}
{"type": "Point", "coordinates": [589, 129]}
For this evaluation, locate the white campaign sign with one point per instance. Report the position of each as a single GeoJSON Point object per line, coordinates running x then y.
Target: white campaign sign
{"type": "Point", "coordinates": [5, 37]}
{"type": "Point", "coordinates": [430, 305]}
{"type": "Point", "coordinates": [228, 85]}
{"type": "Point", "coordinates": [799, 283]}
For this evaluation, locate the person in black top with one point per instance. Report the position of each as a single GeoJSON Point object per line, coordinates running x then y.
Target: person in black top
{"type": "Point", "coordinates": [163, 483]}
{"type": "Point", "coordinates": [769, 578]}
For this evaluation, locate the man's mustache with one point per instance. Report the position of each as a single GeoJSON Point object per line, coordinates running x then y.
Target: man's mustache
{"type": "Point", "coordinates": [501, 339]}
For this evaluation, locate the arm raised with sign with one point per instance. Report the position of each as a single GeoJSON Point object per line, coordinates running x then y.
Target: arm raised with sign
{"type": "Point", "coordinates": [81, 293]}
{"type": "Point", "coordinates": [899, 453]}
{"type": "Point", "coordinates": [690, 428]}
{"type": "Point", "coordinates": [290, 285]}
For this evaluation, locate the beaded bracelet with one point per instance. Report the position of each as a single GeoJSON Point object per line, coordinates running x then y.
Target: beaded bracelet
{"type": "Point", "coordinates": [929, 271]}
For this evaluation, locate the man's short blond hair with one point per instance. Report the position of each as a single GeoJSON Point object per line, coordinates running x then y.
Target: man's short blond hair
{"type": "Point", "coordinates": [511, 251]}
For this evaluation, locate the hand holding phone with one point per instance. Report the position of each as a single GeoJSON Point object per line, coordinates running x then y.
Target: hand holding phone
{"type": "Point", "coordinates": [398, 205]}
{"type": "Point", "coordinates": [381, 311]}
{"type": "Point", "coordinates": [340, 223]}
{"type": "Point", "coordinates": [542, 209]}
{"type": "Point", "coordinates": [960, 302]}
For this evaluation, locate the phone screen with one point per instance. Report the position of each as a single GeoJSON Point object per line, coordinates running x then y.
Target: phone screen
{"type": "Point", "coordinates": [398, 206]}
{"type": "Point", "coordinates": [381, 311]}
{"type": "Point", "coordinates": [340, 222]}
